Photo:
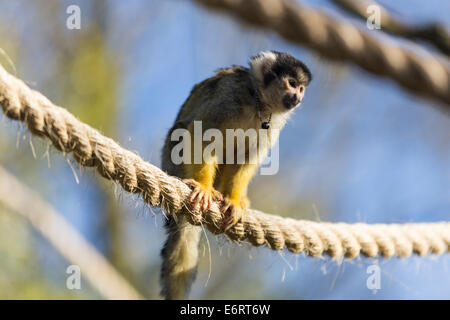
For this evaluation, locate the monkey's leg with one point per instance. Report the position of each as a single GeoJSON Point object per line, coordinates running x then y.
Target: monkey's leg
{"type": "Point", "coordinates": [234, 183]}
{"type": "Point", "coordinates": [202, 181]}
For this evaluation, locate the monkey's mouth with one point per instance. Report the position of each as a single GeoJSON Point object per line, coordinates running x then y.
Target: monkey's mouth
{"type": "Point", "coordinates": [290, 101]}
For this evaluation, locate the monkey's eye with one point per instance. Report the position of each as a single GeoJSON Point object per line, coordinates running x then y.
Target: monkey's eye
{"type": "Point", "coordinates": [293, 83]}
{"type": "Point", "coordinates": [302, 88]}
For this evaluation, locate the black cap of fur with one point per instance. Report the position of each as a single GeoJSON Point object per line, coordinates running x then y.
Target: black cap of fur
{"type": "Point", "coordinates": [287, 65]}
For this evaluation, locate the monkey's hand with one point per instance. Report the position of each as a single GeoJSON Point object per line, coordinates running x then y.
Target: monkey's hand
{"type": "Point", "coordinates": [202, 197]}
{"type": "Point", "coordinates": [232, 212]}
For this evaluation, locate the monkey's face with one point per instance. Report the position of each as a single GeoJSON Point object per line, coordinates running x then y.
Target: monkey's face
{"type": "Point", "coordinates": [283, 79]}
{"type": "Point", "coordinates": [285, 93]}
{"type": "Point", "coordinates": [293, 92]}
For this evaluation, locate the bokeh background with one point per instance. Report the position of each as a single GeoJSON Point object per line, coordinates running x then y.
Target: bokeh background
{"type": "Point", "coordinates": [360, 150]}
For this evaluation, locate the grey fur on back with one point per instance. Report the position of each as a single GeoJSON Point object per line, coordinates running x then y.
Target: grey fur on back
{"type": "Point", "coordinates": [223, 88]}
{"type": "Point", "coordinates": [180, 251]}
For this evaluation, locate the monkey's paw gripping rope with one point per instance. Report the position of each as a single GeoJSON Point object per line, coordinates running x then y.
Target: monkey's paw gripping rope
{"type": "Point", "coordinates": [90, 148]}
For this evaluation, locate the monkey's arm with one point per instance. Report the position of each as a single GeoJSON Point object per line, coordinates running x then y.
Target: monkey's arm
{"type": "Point", "coordinates": [201, 177]}
{"type": "Point", "coordinates": [234, 183]}
{"type": "Point", "coordinates": [203, 173]}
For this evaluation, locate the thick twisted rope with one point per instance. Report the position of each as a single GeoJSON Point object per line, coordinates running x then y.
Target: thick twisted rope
{"type": "Point", "coordinates": [113, 162]}
{"type": "Point", "coordinates": [435, 34]}
{"type": "Point", "coordinates": [340, 40]}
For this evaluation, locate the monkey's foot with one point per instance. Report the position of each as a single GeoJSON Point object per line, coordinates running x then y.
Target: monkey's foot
{"type": "Point", "coordinates": [202, 197]}
{"type": "Point", "coordinates": [232, 214]}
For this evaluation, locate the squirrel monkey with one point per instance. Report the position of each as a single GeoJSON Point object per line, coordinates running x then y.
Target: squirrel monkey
{"type": "Point", "coordinates": [260, 97]}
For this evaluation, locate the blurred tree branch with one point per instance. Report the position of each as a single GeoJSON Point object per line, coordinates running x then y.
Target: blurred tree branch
{"type": "Point", "coordinates": [65, 238]}
{"type": "Point", "coordinates": [434, 33]}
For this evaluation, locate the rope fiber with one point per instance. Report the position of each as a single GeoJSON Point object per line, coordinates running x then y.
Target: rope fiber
{"type": "Point", "coordinates": [92, 149]}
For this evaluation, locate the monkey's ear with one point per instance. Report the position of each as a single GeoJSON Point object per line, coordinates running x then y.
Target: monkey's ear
{"type": "Point", "coordinates": [261, 64]}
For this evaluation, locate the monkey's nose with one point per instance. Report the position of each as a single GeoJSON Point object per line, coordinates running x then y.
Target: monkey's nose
{"type": "Point", "coordinates": [291, 100]}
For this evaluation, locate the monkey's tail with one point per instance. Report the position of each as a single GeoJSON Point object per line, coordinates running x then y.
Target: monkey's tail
{"type": "Point", "coordinates": [180, 258]}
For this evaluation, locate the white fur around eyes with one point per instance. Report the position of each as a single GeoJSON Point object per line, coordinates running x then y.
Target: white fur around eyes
{"type": "Point", "coordinates": [260, 62]}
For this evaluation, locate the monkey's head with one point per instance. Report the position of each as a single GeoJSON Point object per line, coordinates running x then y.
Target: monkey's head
{"type": "Point", "coordinates": [282, 79]}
